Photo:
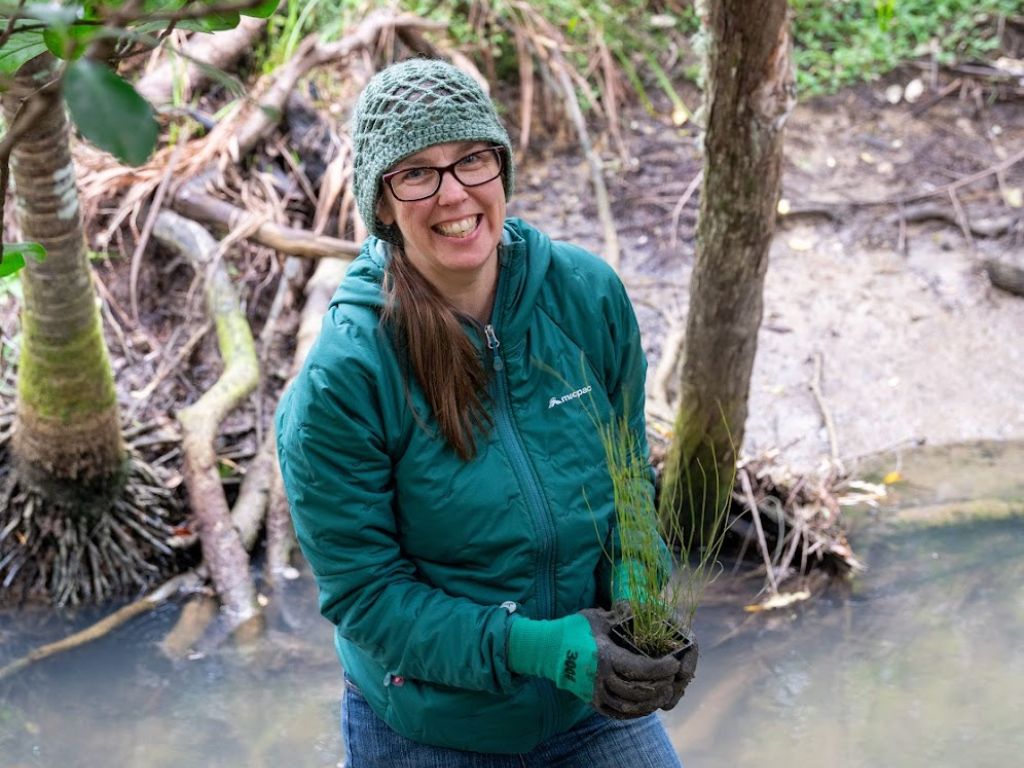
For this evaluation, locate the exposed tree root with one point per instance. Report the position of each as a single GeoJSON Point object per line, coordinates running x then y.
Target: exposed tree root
{"type": "Point", "coordinates": [69, 550]}
{"type": "Point", "coordinates": [223, 552]}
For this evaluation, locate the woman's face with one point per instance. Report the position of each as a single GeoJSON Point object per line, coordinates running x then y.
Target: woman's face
{"type": "Point", "coordinates": [452, 237]}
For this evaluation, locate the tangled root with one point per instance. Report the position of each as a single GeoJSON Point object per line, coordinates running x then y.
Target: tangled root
{"type": "Point", "coordinates": [69, 549]}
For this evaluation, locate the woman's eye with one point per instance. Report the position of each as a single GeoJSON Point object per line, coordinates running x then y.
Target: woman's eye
{"type": "Point", "coordinates": [469, 161]}
{"type": "Point", "coordinates": [414, 174]}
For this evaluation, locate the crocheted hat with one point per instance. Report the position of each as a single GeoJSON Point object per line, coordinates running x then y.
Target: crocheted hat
{"type": "Point", "coordinates": [411, 106]}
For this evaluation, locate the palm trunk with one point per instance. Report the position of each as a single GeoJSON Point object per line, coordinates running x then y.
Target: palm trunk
{"type": "Point", "coordinates": [749, 95]}
{"type": "Point", "coordinates": [66, 426]}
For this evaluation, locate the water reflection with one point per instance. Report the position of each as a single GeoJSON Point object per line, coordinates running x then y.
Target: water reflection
{"type": "Point", "coordinates": [919, 663]}
{"type": "Point", "coordinates": [118, 704]}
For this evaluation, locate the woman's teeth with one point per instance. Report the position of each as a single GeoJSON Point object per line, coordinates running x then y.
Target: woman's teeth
{"type": "Point", "coordinates": [459, 228]}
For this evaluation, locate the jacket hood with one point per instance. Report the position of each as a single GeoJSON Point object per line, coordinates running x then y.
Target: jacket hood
{"type": "Point", "coordinates": [525, 257]}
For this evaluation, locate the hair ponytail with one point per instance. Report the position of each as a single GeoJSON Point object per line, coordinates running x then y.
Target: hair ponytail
{"type": "Point", "coordinates": [429, 336]}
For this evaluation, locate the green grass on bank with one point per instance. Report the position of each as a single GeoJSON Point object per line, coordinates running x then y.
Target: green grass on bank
{"type": "Point", "coordinates": [837, 42]}
{"type": "Point", "coordinates": [843, 42]}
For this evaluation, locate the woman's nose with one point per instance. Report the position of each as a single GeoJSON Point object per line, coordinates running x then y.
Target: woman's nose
{"type": "Point", "coordinates": [451, 190]}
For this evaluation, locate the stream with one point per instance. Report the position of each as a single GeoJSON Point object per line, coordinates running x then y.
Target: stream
{"type": "Point", "coordinates": [918, 662]}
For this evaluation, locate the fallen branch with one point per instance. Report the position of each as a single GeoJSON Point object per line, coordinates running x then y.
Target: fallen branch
{"type": "Point", "coordinates": [987, 227]}
{"type": "Point", "coordinates": [194, 202]}
{"type": "Point", "coordinates": [415, 41]}
{"type": "Point", "coordinates": [223, 553]}
{"type": "Point", "coordinates": [186, 582]}
{"type": "Point", "coordinates": [254, 119]}
{"type": "Point", "coordinates": [250, 507]}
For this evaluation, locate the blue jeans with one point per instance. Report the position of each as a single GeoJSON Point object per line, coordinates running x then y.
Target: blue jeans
{"type": "Point", "coordinates": [597, 742]}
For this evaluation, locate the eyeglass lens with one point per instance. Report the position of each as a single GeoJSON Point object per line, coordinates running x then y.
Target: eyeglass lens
{"type": "Point", "coordinates": [472, 170]}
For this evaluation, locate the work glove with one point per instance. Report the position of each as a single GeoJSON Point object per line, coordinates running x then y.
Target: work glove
{"type": "Point", "coordinates": [578, 655]}
{"type": "Point", "coordinates": [685, 673]}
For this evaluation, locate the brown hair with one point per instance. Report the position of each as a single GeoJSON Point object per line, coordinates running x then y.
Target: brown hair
{"type": "Point", "coordinates": [429, 336]}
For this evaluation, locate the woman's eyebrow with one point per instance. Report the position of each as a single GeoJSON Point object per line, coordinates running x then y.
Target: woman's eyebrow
{"type": "Point", "coordinates": [464, 147]}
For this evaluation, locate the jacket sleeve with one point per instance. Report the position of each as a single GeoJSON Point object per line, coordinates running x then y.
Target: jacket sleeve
{"type": "Point", "coordinates": [333, 451]}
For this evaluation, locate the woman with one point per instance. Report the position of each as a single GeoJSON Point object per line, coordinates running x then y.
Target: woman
{"type": "Point", "coordinates": [441, 458]}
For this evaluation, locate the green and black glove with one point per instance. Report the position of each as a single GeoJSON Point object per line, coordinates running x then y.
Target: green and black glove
{"type": "Point", "coordinates": [578, 655]}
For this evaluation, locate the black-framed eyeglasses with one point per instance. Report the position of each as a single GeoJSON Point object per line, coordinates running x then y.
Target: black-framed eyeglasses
{"type": "Point", "coordinates": [478, 167]}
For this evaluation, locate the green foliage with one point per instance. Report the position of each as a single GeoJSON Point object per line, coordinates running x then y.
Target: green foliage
{"type": "Point", "coordinates": [841, 43]}
{"type": "Point", "coordinates": [14, 254]}
{"type": "Point", "coordinates": [19, 48]}
{"type": "Point", "coordinates": [110, 112]}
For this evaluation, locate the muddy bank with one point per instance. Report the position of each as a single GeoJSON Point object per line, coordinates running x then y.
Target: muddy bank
{"type": "Point", "coordinates": [916, 347]}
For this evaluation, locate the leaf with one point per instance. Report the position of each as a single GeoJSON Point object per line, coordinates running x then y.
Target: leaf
{"type": "Point", "coordinates": [14, 256]}
{"type": "Point", "coordinates": [893, 477]}
{"type": "Point", "coordinates": [19, 48]}
{"type": "Point", "coordinates": [109, 112]}
{"type": "Point", "coordinates": [216, 22]}
{"type": "Point", "coordinates": [69, 42]}
{"type": "Point", "coordinates": [264, 10]}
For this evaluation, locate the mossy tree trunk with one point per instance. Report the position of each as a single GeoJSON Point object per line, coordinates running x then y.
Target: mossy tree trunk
{"type": "Point", "coordinates": [749, 93]}
{"type": "Point", "coordinates": [81, 519]}
{"type": "Point", "coordinates": [67, 424]}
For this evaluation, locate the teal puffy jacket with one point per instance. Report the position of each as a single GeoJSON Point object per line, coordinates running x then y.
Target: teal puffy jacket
{"type": "Point", "coordinates": [421, 558]}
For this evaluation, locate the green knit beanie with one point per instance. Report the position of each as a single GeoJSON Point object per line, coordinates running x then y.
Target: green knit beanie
{"type": "Point", "coordinates": [411, 106]}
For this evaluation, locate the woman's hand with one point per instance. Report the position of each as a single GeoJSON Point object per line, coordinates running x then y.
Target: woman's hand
{"type": "Point", "coordinates": [578, 654]}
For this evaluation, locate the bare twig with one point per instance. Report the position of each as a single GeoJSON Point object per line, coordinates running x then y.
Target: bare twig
{"type": "Point", "coordinates": [961, 217]}
{"type": "Point", "coordinates": [11, 22]}
{"type": "Point", "coordinates": [172, 365]}
{"type": "Point", "coordinates": [755, 512]}
{"type": "Point", "coordinates": [193, 201]}
{"type": "Point", "coordinates": [222, 549]}
{"type": "Point", "coordinates": [683, 200]}
{"type": "Point", "coordinates": [131, 12]}
{"type": "Point", "coordinates": [604, 209]}
{"type": "Point", "coordinates": [826, 414]}
{"type": "Point", "coordinates": [147, 228]}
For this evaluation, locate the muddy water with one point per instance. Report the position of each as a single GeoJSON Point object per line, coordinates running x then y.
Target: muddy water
{"type": "Point", "coordinates": [919, 663]}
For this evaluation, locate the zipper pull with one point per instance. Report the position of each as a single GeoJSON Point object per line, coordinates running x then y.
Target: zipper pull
{"type": "Point", "coordinates": [493, 344]}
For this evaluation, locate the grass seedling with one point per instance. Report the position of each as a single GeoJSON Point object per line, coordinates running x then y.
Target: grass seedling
{"type": "Point", "coordinates": [664, 566]}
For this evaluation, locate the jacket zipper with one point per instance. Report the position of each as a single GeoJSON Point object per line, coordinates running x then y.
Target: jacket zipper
{"type": "Point", "coordinates": [524, 471]}
{"type": "Point", "coordinates": [509, 436]}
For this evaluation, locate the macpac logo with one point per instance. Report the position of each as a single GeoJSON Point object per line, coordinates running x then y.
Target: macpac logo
{"type": "Point", "coordinates": [566, 398]}
{"type": "Point", "coordinates": [569, 668]}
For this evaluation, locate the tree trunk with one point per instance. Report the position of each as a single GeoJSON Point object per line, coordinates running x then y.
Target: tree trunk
{"type": "Point", "coordinates": [749, 94]}
{"type": "Point", "coordinates": [67, 424]}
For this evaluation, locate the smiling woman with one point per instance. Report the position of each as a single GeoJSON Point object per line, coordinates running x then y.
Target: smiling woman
{"type": "Point", "coordinates": [455, 520]}
{"type": "Point", "coordinates": [451, 213]}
